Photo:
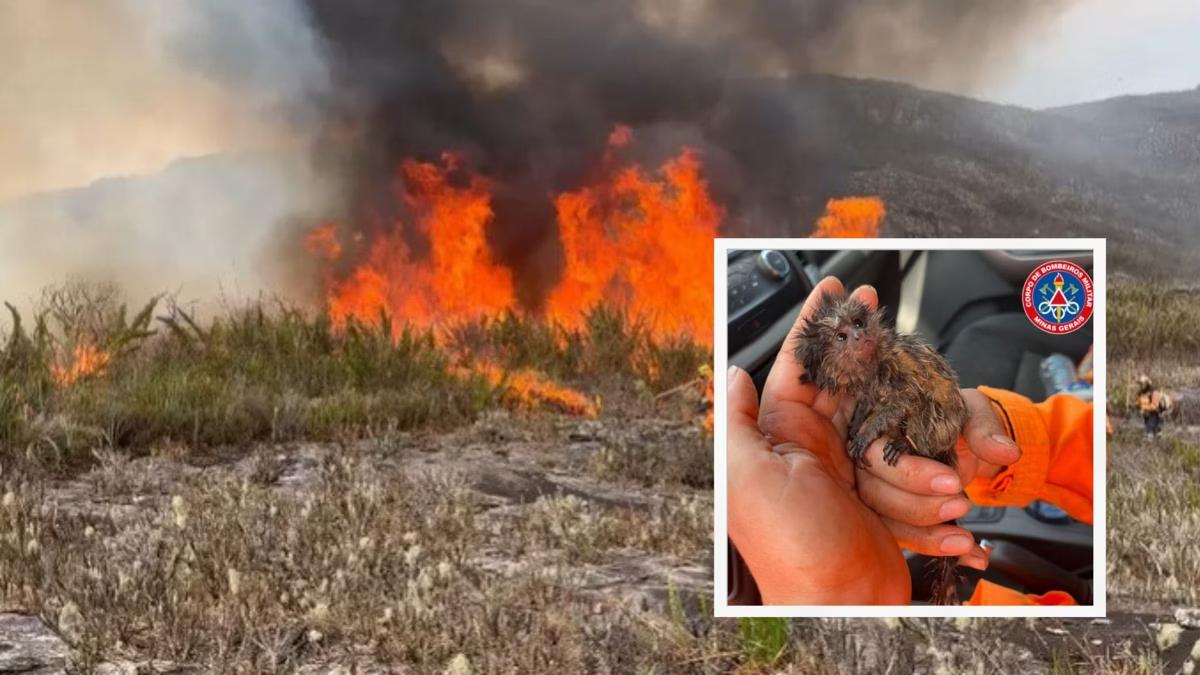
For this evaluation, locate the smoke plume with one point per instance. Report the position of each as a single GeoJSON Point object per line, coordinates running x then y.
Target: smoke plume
{"type": "Point", "coordinates": [327, 97]}
{"type": "Point", "coordinates": [102, 103]}
{"type": "Point", "coordinates": [528, 91]}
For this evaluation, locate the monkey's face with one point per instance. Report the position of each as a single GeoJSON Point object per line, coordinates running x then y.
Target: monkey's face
{"type": "Point", "coordinates": [840, 345]}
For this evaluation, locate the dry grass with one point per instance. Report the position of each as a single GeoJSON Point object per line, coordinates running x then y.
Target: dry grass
{"type": "Point", "coordinates": [1154, 516]}
{"type": "Point", "coordinates": [240, 576]}
{"type": "Point", "coordinates": [413, 569]}
{"type": "Point", "coordinates": [366, 566]}
{"type": "Point", "coordinates": [1148, 321]}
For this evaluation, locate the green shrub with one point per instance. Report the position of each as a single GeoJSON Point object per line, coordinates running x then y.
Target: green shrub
{"type": "Point", "coordinates": [272, 372]}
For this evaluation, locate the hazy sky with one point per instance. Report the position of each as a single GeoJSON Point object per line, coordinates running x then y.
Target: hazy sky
{"type": "Point", "coordinates": [1105, 48]}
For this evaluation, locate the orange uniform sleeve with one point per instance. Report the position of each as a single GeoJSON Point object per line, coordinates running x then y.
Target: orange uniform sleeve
{"type": "Point", "coordinates": [1055, 438]}
{"type": "Point", "coordinates": [988, 593]}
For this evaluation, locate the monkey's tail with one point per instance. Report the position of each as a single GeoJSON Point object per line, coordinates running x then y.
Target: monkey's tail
{"type": "Point", "coordinates": [945, 581]}
{"type": "Point", "coordinates": [944, 590]}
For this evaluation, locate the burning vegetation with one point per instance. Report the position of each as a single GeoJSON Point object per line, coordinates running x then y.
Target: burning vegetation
{"type": "Point", "coordinates": [86, 359]}
{"type": "Point", "coordinates": [851, 217]}
{"type": "Point", "coordinates": [633, 242]}
{"type": "Point", "coordinates": [638, 242]}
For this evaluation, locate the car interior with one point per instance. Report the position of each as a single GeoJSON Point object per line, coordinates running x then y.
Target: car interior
{"type": "Point", "coordinates": [967, 304]}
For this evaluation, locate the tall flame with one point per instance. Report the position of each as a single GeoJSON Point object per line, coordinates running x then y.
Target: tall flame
{"type": "Point", "coordinates": [644, 243]}
{"type": "Point", "coordinates": [459, 280]}
{"type": "Point", "coordinates": [640, 241]}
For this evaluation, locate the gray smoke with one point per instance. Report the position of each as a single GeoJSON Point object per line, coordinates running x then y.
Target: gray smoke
{"type": "Point", "coordinates": [102, 99]}
{"type": "Point", "coordinates": [528, 91]}
{"type": "Point", "coordinates": [313, 103]}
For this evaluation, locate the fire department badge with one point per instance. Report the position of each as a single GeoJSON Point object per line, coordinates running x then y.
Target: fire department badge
{"type": "Point", "coordinates": [1058, 297]}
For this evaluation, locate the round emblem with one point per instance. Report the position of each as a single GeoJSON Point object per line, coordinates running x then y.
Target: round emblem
{"type": "Point", "coordinates": [1058, 297]}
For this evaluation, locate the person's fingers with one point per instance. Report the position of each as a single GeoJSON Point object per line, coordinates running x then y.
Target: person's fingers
{"type": "Point", "coordinates": [912, 473]}
{"type": "Point", "coordinates": [868, 295]}
{"type": "Point", "coordinates": [936, 540]}
{"type": "Point", "coordinates": [984, 432]}
{"type": "Point", "coordinates": [745, 441]}
{"type": "Point", "coordinates": [890, 501]}
{"type": "Point", "coordinates": [976, 559]}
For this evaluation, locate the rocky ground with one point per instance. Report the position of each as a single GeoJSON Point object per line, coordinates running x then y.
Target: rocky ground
{"type": "Point", "coordinates": [565, 483]}
{"type": "Point", "coordinates": [563, 489]}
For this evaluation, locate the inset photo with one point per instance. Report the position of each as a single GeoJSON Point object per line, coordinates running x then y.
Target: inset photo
{"type": "Point", "coordinates": [910, 427]}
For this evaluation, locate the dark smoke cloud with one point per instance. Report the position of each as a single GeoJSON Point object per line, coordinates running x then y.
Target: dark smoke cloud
{"type": "Point", "coordinates": [529, 90]}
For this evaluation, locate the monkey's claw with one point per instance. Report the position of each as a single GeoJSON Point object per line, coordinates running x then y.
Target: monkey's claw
{"type": "Point", "coordinates": [858, 450]}
{"type": "Point", "coordinates": [894, 449]}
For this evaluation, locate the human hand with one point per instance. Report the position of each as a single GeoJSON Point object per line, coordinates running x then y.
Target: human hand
{"type": "Point", "coordinates": [793, 511]}
{"type": "Point", "coordinates": [917, 495]}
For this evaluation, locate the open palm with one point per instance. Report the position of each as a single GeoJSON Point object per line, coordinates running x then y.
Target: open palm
{"type": "Point", "coordinates": [794, 513]}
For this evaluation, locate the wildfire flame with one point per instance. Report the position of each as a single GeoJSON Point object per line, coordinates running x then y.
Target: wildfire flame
{"type": "Point", "coordinates": [851, 217]}
{"type": "Point", "coordinates": [640, 241]}
{"type": "Point", "coordinates": [86, 359]}
{"type": "Point", "coordinates": [643, 243]}
{"type": "Point", "coordinates": [459, 280]}
{"type": "Point", "coordinates": [528, 389]}
{"type": "Point", "coordinates": [322, 242]}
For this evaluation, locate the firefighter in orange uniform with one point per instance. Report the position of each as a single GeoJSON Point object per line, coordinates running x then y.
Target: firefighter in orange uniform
{"type": "Point", "coordinates": [1152, 404]}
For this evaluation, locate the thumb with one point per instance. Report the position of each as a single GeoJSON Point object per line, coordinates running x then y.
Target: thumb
{"type": "Point", "coordinates": [984, 433]}
{"type": "Point", "coordinates": [746, 443]}
{"type": "Point", "coordinates": [742, 404]}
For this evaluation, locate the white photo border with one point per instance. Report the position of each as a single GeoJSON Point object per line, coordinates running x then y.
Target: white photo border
{"type": "Point", "coordinates": [721, 606]}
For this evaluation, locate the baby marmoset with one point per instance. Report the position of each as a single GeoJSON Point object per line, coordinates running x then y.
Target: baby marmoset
{"type": "Point", "coordinates": [903, 388]}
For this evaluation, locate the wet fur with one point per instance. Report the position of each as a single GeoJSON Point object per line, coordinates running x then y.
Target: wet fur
{"type": "Point", "coordinates": [906, 392]}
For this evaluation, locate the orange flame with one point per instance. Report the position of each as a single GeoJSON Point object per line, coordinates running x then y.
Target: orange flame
{"type": "Point", "coordinates": [527, 389]}
{"type": "Point", "coordinates": [86, 359]}
{"type": "Point", "coordinates": [641, 242]}
{"type": "Point", "coordinates": [323, 243]}
{"type": "Point", "coordinates": [460, 280]}
{"type": "Point", "coordinates": [644, 243]}
{"type": "Point", "coordinates": [851, 217]}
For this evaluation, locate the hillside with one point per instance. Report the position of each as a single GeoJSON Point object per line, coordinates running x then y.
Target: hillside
{"type": "Point", "coordinates": [1126, 168]}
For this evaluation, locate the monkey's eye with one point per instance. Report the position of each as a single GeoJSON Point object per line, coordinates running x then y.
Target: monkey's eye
{"type": "Point", "coordinates": [858, 323]}
{"type": "Point", "coordinates": [841, 337]}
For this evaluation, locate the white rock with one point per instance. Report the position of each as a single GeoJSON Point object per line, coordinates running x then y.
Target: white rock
{"type": "Point", "coordinates": [459, 665]}
{"type": "Point", "coordinates": [1168, 636]}
{"type": "Point", "coordinates": [30, 646]}
{"type": "Point", "coordinates": [1188, 617]}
